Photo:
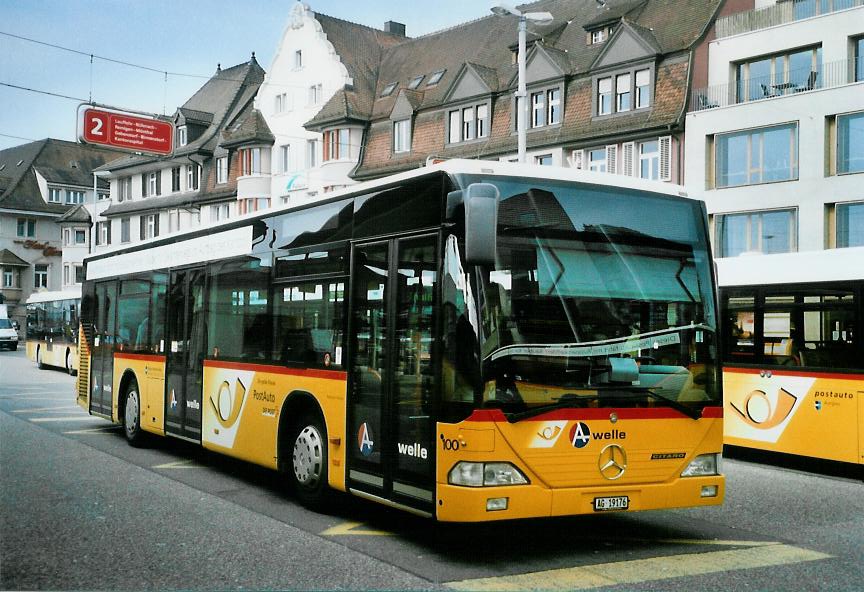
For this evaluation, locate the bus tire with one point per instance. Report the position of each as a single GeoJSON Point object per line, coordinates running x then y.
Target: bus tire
{"type": "Point", "coordinates": [307, 471]}
{"type": "Point", "coordinates": [70, 369]}
{"type": "Point", "coordinates": [132, 415]}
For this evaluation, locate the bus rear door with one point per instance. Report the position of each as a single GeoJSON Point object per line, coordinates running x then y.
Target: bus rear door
{"type": "Point", "coordinates": [391, 403]}
{"type": "Point", "coordinates": [102, 371]}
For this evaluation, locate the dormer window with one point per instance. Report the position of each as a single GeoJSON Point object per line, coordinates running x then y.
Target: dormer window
{"type": "Point", "coordinates": [598, 36]}
{"type": "Point", "coordinates": [435, 78]}
{"type": "Point", "coordinates": [623, 91]}
{"type": "Point", "coordinates": [388, 90]}
{"type": "Point", "coordinates": [182, 136]}
{"type": "Point", "coordinates": [415, 82]}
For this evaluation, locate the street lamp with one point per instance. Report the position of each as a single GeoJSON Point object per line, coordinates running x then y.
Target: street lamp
{"type": "Point", "coordinates": [540, 18]}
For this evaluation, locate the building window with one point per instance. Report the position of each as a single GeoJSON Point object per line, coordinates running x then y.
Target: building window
{"type": "Point", "coordinates": [388, 90]}
{"type": "Point", "coordinates": [543, 160]}
{"type": "Point", "coordinates": [643, 89]}
{"type": "Point", "coordinates": [79, 274]}
{"type": "Point", "coordinates": [858, 54]}
{"type": "Point", "coordinates": [149, 226]}
{"type": "Point", "coordinates": [125, 230]}
{"type": "Point", "coordinates": [250, 161]}
{"type": "Point", "coordinates": [151, 184]}
{"type": "Point", "coordinates": [284, 158]}
{"type": "Point", "coordinates": [604, 96]}
{"type": "Point", "coordinates": [103, 233]}
{"type": "Point", "coordinates": [55, 195]}
{"type": "Point", "coordinates": [250, 205]}
{"type": "Point", "coordinates": [125, 189]}
{"type": "Point", "coordinates": [850, 224]}
{"type": "Point", "coordinates": [192, 177]}
{"type": "Point", "coordinates": [175, 179]}
{"type": "Point", "coordinates": [779, 74]}
{"type": "Point", "coordinates": [220, 212]}
{"type": "Point", "coordinates": [337, 144]}
{"type": "Point", "coordinates": [315, 94]}
{"type": "Point", "coordinates": [80, 237]}
{"type": "Point", "coordinates": [468, 123]}
{"type": "Point", "coordinates": [553, 106]}
{"type": "Point", "coordinates": [311, 154]}
{"type": "Point", "coordinates": [8, 278]}
{"type": "Point", "coordinates": [649, 160]}
{"type": "Point", "coordinates": [850, 143]}
{"type": "Point", "coordinates": [281, 104]}
{"type": "Point", "coordinates": [181, 135]}
{"type": "Point", "coordinates": [222, 170]}
{"type": "Point", "coordinates": [40, 276]}
{"type": "Point", "coordinates": [102, 196]}
{"type": "Point", "coordinates": [763, 155]}
{"type": "Point", "coordinates": [598, 36]}
{"type": "Point", "coordinates": [298, 59]}
{"type": "Point", "coordinates": [74, 197]}
{"type": "Point", "coordinates": [538, 109]}
{"type": "Point", "coordinates": [756, 232]}
{"type": "Point", "coordinates": [622, 92]}
{"type": "Point", "coordinates": [597, 160]}
{"type": "Point", "coordinates": [26, 228]}
{"type": "Point", "coordinates": [402, 135]}
{"type": "Point", "coordinates": [415, 82]}
{"type": "Point", "coordinates": [435, 77]}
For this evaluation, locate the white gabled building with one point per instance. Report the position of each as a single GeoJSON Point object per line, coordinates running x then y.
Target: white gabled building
{"type": "Point", "coordinates": [323, 70]}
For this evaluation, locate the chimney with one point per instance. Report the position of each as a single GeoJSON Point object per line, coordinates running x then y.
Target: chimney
{"type": "Point", "coordinates": [394, 28]}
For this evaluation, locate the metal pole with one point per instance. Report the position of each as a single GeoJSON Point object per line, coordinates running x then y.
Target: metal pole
{"type": "Point", "coordinates": [521, 98]}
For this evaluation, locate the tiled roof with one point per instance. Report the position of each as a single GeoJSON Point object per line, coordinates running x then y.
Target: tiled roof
{"type": "Point", "coordinates": [7, 257]}
{"type": "Point", "coordinates": [58, 162]}
{"type": "Point", "coordinates": [78, 214]}
{"type": "Point", "coordinates": [248, 126]}
{"type": "Point", "coordinates": [668, 27]}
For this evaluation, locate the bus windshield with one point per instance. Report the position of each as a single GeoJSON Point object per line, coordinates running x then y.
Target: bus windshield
{"type": "Point", "coordinates": [600, 296]}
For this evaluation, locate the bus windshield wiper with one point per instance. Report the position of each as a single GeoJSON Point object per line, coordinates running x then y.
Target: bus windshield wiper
{"type": "Point", "coordinates": [678, 406]}
{"type": "Point", "coordinates": [568, 400]}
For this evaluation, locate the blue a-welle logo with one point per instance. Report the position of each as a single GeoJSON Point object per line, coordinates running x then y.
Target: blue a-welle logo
{"type": "Point", "coordinates": [580, 435]}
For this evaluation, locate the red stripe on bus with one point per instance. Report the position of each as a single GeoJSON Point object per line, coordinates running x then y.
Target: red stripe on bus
{"type": "Point", "coordinates": [142, 357]}
{"type": "Point", "coordinates": [595, 413]}
{"type": "Point", "coordinates": [308, 372]}
{"type": "Point", "coordinates": [800, 373]}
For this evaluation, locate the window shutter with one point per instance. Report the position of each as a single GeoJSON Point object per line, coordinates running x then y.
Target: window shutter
{"type": "Point", "coordinates": [665, 147]}
{"type": "Point", "coordinates": [155, 224]}
{"type": "Point", "coordinates": [578, 159]}
{"type": "Point", "coordinates": [612, 159]}
{"type": "Point", "coordinates": [144, 184]}
{"type": "Point", "coordinates": [142, 227]}
{"type": "Point", "coordinates": [158, 182]}
{"type": "Point", "coordinates": [627, 157]}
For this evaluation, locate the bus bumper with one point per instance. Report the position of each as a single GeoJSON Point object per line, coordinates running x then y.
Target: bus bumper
{"type": "Point", "coordinates": [481, 504]}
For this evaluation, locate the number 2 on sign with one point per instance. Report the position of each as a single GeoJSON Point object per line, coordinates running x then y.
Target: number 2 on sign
{"type": "Point", "coordinates": [97, 126]}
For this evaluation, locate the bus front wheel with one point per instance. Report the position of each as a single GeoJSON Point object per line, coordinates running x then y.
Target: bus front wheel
{"type": "Point", "coordinates": [132, 415]}
{"type": "Point", "coordinates": [308, 470]}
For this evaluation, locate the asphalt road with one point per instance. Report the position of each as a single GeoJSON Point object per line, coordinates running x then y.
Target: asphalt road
{"type": "Point", "coordinates": [83, 510]}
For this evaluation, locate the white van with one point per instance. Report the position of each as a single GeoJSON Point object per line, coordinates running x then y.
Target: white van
{"type": "Point", "coordinates": [8, 335]}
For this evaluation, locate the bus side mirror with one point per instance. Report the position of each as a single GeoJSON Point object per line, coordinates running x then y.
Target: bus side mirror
{"type": "Point", "coordinates": [481, 224]}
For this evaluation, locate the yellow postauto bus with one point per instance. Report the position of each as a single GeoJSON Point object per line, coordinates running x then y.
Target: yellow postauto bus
{"type": "Point", "coordinates": [469, 341]}
{"type": "Point", "coordinates": [793, 369]}
{"type": "Point", "coordinates": [52, 329]}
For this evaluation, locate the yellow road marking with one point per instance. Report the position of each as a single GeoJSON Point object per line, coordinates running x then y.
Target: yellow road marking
{"type": "Point", "coordinates": [180, 464]}
{"type": "Point", "coordinates": [352, 529]}
{"type": "Point", "coordinates": [105, 430]}
{"type": "Point", "coordinates": [645, 570]}
{"type": "Point", "coordinates": [70, 418]}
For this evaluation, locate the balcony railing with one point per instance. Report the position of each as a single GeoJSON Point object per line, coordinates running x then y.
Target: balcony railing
{"type": "Point", "coordinates": [779, 14]}
{"type": "Point", "coordinates": [828, 75]}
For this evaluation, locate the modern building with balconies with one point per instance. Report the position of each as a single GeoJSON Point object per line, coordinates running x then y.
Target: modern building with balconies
{"type": "Point", "coordinates": [775, 141]}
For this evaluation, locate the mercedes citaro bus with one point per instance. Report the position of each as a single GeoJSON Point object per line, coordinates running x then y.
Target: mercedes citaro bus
{"type": "Point", "coordinates": [468, 341]}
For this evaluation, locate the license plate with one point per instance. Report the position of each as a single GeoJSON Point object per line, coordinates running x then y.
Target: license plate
{"type": "Point", "coordinates": [603, 504]}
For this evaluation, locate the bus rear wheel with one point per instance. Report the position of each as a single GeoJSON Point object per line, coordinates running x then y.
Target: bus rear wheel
{"type": "Point", "coordinates": [132, 415]}
{"type": "Point", "coordinates": [308, 471]}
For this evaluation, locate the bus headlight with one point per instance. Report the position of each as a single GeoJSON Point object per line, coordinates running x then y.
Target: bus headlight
{"type": "Point", "coordinates": [703, 465]}
{"type": "Point", "coordinates": [474, 474]}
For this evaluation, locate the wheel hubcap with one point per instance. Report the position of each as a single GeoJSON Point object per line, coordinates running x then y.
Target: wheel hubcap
{"type": "Point", "coordinates": [308, 457]}
{"type": "Point", "coordinates": [132, 412]}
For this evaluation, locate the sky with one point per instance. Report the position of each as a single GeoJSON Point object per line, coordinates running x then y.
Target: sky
{"type": "Point", "coordinates": [186, 38]}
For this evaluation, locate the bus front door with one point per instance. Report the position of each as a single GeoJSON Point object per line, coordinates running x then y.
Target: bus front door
{"type": "Point", "coordinates": [186, 346]}
{"type": "Point", "coordinates": [102, 356]}
{"type": "Point", "coordinates": [391, 402]}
